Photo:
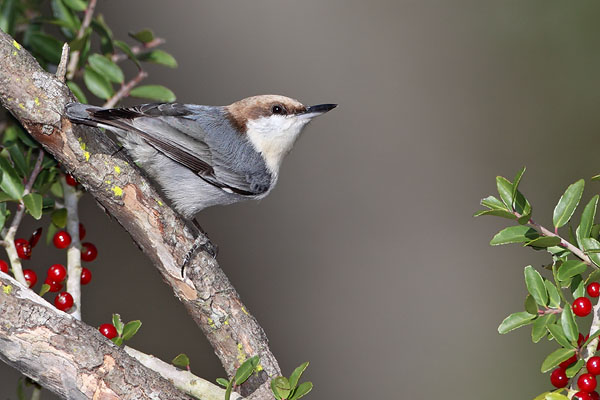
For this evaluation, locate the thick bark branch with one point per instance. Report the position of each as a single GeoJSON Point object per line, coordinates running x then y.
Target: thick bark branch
{"type": "Point", "coordinates": [37, 100]}
{"type": "Point", "coordinates": [67, 356]}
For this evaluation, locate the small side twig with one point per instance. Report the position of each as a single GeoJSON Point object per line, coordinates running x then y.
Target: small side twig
{"type": "Point", "coordinates": [125, 89]}
{"type": "Point", "coordinates": [9, 235]}
{"type": "Point", "coordinates": [87, 19]}
{"type": "Point", "coordinates": [71, 197]}
{"type": "Point", "coordinates": [139, 49]}
{"type": "Point", "coordinates": [61, 70]}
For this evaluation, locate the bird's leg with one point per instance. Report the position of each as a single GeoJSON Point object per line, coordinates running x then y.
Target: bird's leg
{"type": "Point", "coordinates": [201, 242]}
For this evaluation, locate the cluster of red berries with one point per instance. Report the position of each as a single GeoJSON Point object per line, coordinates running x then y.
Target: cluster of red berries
{"type": "Point", "coordinates": [57, 273]}
{"type": "Point", "coordinates": [587, 382]}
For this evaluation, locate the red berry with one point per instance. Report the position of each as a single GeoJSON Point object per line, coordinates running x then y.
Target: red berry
{"type": "Point", "coordinates": [86, 276]}
{"type": "Point", "coordinates": [54, 286]}
{"type": "Point", "coordinates": [63, 301]}
{"type": "Point", "coordinates": [582, 306]}
{"type": "Point", "coordinates": [582, 396]}
{"type": "Point", "coordinates": [3, 266]}
{"type": "Point", "coordinates": [30, 277]}
{"type": "Point", "coordinates": [587, 383]}
{"type": "Point", "coordinates": [23, 249]}
{"type": "Point", "coordinates": [88, 252]}
{"type": "Point", "coordinates": [62, 239]}
{"type": "Point", "coordinates": [593, 365]}
{"type": "Point", "coordinates": [108, 330]}
{"type": "Point", "coordinates": [81, 231]}
{"type": "Point", "coordinates": [70, 180]}
{"type": "Point", "coordinates": [35, 237]}
{"type": "Point", "coordinates": [57, 273]}
{"type": "Point", "coordinates": [558, 378]}
{"type": "Point", "coordinates": [593, 289]}
{"type": "Point", "coordinates": [567, 363]}
{"type": "Point", "coordinates": [594, 396]}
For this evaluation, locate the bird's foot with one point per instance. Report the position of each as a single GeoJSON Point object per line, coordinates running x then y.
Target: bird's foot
{"type": "Point", "coordinates": [202, 242]}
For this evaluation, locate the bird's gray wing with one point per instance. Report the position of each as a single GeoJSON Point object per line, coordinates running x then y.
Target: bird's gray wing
{"type": "Point", "coordinates": [172, 129]}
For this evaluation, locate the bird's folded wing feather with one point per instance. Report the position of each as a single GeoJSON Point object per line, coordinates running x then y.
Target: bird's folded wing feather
{"type": "Point", "coordinates": [165, 128]}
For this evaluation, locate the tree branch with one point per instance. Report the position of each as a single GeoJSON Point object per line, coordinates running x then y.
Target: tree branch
{"type": "Point", "coordinates": [87, 19]}
{"type": "Point", "coordinates": [37, 99]}
{"type": "Point", "coordinates": [67, 356]}
{"type": "Point", "coordinates": [125, 89]}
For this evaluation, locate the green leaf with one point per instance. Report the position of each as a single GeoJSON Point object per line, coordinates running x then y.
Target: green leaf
{"type": "Point", "coordinates": [223, 382]}
{"type": "Point", "coordinates": [124, 47]}
{"type": "Point", "coordinates": [59, 217]}
{"type": "Point", "coordinates": [301, 390]}
{"type": "Point", "coordinates": [543, 241]}
{"type": "Point", "coordinates": [117, 340]}
{"type": "Point", "coordinates": [105, 33]}
{"type": "Point", "coordinates": [594, 276]}
{"type": "Point", "coordinates": [153, 92]}
{"type": "Point", "coordinates": [514, 321]}
{"type": "Point", "coordinates": [97, 84]}
{"type": "Point", "coordinates": [131, 329]}
{"type": "Point", "coordinates": [295, 376]}
{"type": "Point", "coordinates": [538, 330]}
{"type": "Point", "coordinates": [517, 180]}
{"type": "Point", "coordinates": [159, 57]}
{"type": "Point", "coordinates": [556, 357]}
{"type": "Point", "coordinates": [556, 396]}
{"type": "Point", "coordinates": [118, 324]}
{"type": "Point", "coordinates": [595, 178]}
{"type": "Point", "coordinates": [8, 16]}
{"type": "Point", "coordinates": [570, 268]}
{"type": "Point", "coordinates": [281, 387]}
{"type": "Point", "coordinates": [535, 286]}
{"type": "Point", "coordinates": [245, 370]}
{"type": "Point", "coordinates": [3, 214]}
{"type": "Point", "coordinates": [577, 287]}
{"type": "Point", "coordinates": [496, 213]}
{"type": "Point", "coordinates": [567, 321]}
{"type": "Point", "coordinates": [574, 369]}
{"type": "Point", "coordinates": [77, 91]}
{"type": "Point", "coordinates": [584, 229]}
{"type": "Point", "coordinates": [505, 191]}
{"type": "Point", "coordinates": [228, 389]}
{"type": "Point", "coordinates": [514, 234]}
{"type": "Point", "coordinates": [183, 361]}
{"type": "Point", "coordinates": [44, 289]}
{"type": "Point", "coordinates": [568, 203]}
{"type": "Point", "coordinates": [76, 5]}
{"type": "Point", "coordinates": [63, 13]}
{"type": "Point", "coordinates": [553, 295]}
{"type": "Point", "coordinates": [16, 155]}
{"type": "Point", "coordinates": [589, 245]}
{"type": "Point", "coordinates": [143, 36]}
{"type": "Point", "coordinates": [530, 305]}
{"type": "Point", "coordinates": [558, 334]}
{"type": "Point", "coordinates": [493, 203]}
{"type": "Point", "coordinates": [592, 337]}
{"type": "Point", "coordinates": [106, 68]}
{"type": "Point", "coordinates": [10, 183]}
{"type": "Point", "coordinates": [46, 46]}
{"type": "Point", "coordinates": [52, 229]}
{"type": "Point", "coordinates": [80, 43]}
{"type": "Point", "coordinates": [33, 204]}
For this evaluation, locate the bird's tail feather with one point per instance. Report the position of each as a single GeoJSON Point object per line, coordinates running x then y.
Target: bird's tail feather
{"type": "Point", "coordinates": [82, 113]}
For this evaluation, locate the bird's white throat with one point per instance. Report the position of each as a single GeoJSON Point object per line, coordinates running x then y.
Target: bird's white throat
{"type": "Point", "coordinates": [274, 137]}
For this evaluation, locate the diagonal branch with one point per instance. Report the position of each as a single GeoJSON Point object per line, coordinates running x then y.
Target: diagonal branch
{"type": "Point", "coordinates": [37, 100]}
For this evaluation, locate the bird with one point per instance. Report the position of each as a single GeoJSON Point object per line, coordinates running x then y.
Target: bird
{"type": "Point", "coordinates": [200, 155]}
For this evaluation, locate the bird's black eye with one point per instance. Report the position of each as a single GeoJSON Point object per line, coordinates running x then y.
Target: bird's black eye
{"type": "Point", "coordinates": [278, 109]}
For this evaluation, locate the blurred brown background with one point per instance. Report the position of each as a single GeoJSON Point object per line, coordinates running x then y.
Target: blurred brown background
{"type": "Point", "coordinates": [365, 260]}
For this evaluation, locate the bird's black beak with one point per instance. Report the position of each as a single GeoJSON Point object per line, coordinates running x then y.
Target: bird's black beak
{"type": "Point", "coordinates": [320, 108]}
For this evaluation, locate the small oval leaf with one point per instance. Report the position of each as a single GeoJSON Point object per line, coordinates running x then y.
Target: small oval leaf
{"type": "Point", "coordinates": [535, 286]}
{"type": "Point", "coordinates": [106, 68]}
{"type": "Point", "coordinates": [153, 92]}
{"type": "Point", "coordinates": [568, 203]}
{"type": "Point", "coordinates": [97, 84]}
{"type": "Point", "coordinates": [514, 321]}
{"type": "Point", "coordinates": [556, 357]}
{"type": "Point", "coordinates": [568, 324]}
{"type": "Point", "coordinates": [514, 234]}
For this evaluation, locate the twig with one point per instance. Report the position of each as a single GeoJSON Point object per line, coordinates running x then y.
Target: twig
{"type": "Point", "coordinates": [9, 236]}
{"type": "Point", "coordinates": [71, 197]}
{"type": "Point", "coordinates": [139, 49]}
{"type": "Point", "coordinates": [125, 89]}
{"type": "Point", "coordinates": [87, 19]}
{"type": "Point", "coordinates": [183, 380]}
{"type": "Point", "coordinates": [61, 70]}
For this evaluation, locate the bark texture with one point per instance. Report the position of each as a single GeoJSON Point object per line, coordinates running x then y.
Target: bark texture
{"type": "Point", "coordinates": [68, 357]}
{"type": "Point", "coordinates": [37, 99]}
